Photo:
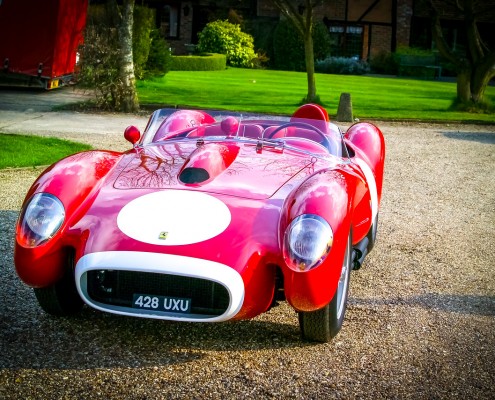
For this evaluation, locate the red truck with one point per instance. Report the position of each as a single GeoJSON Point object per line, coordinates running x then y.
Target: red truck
{"type": "Point", "coordinates": [39, 41]}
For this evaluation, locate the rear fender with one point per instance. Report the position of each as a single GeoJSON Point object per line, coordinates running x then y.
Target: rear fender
{"type": "Point", "coordinates": [367, 143]}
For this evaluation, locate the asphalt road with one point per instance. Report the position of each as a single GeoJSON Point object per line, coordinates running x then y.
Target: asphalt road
{"type": "Point", "coordinates": [38, 100]}
{"type": "Point", "coordinates": [25, 110]}
{"type": "Point", "coordinates": [420, 322]}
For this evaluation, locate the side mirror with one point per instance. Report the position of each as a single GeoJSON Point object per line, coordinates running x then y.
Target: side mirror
{"type": "Point", "coordinates": [132, 134]}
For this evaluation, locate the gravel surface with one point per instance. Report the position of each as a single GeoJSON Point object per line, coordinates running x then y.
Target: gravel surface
{"type": "Point", "coordinates": [420, 322]}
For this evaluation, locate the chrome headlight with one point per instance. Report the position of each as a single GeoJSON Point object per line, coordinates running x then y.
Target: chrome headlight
{"type": "Point", "coordinates": [307, 242]}
{"type": "Point", "coordinates": [41, 218]}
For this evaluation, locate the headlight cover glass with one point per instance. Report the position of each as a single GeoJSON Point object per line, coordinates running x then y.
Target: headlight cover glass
{"type": "Point", "coordinates": [307, 242]}
{"type": "Point", "coordinates": [41, 218]}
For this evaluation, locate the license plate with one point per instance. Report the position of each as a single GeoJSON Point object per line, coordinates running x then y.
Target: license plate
{"type": "Point", "coordinates": [162, 303]}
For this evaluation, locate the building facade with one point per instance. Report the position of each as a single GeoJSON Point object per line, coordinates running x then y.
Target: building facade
{"type": "Point", "coordinates": [358, 28]}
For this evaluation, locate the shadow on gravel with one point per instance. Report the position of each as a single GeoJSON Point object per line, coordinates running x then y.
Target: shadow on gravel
{"type": "Point", "coordinates": [30, 338]}
{"type": "Point", "coordinates": [96, 340]}
{"type": "Point", "coordinates": [463, 304]}
{"type": "Point", "coordinates": [480, 137]}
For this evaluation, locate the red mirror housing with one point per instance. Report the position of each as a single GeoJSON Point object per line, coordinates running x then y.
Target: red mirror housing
{"type": "Point", "coordinates": [132, 134]}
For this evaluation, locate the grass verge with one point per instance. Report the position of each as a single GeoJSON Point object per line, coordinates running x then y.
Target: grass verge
{"type": "Point", "coordinates": [30, 151]}
{"type": "Point", "coordinates": [280, 92]}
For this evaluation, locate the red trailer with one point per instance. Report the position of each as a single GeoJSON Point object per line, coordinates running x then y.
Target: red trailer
{"type": "Point", "coordinates": [39, 40]}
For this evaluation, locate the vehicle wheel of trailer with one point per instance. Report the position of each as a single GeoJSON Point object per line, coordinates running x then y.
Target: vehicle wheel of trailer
{"type": "Point", "coordinates": [60, 299]}
{"type": "Point", "coordinates": [324, 324]}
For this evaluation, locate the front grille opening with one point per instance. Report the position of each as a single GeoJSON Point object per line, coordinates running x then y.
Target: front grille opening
{"type": "Point", "coordinates": [116, 288]}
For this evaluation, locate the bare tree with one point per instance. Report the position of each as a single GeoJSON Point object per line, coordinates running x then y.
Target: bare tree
{"type": "Point", "coordinates": [476, 67]}
{"type": "Point", "coordinates": [301, 16]}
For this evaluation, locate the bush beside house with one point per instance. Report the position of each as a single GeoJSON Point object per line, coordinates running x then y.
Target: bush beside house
{"type": "Point", "coordinates": [225, 38]}
{"type": "Point", "coordinates": [288, 46]}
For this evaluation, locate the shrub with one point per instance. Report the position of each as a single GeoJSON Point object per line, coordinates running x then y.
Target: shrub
{"type": "Point", "coordinates": [159, 59]}
{"type": "Point", "coordinates": [144, 19]}
{"type": "Point", "coordinates": [100, 58]}
{"type": "Point", "coordinates": [208, 62]}
{"type": "Point", "coordinates": [412, 51]}
{"type": "Point", "coordinates": [100, 54]}
{"type": "Point", "coordinates": [342, 66]}
{"type": "Point", "coordinates": [226, 38]}
{"type": "Point", "coordinates": [262, 31]}
{"type": "Point", "coordinates": [288, 46]}
{"type": "Point", "coordinates": [384, 63]}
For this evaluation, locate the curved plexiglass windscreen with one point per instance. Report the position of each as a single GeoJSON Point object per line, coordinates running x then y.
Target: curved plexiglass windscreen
{"type": "Point", "coordinates": [307, 134]}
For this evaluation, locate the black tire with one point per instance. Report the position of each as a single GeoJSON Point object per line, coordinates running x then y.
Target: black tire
{"type": "Point", "coordinates": [60, 299]}
{"type": "Point", "coordinates": [324, 324]}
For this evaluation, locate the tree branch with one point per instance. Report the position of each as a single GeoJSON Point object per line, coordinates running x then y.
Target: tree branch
{"type": "Point", "coordinates": [289, 10]}
{"type": "Point", "coordinates": [441, 43]}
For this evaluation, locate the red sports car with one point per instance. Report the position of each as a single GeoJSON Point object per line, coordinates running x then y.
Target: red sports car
{"type": "Point", "coordinates": [208, 219]}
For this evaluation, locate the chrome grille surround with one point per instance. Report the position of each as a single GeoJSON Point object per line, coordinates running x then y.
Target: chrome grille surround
{"type": "Point", "coordinates": [216, 290]}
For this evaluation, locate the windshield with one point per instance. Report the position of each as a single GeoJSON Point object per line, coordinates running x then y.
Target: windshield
{"type": "Point", "coordinates": [309, 135]}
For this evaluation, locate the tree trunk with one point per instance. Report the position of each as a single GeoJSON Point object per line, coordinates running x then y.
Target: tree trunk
{"type": "Point", "coordinates": [464, 85]}
{"type": "Point", "coordinates": [481, 77]}
{"type": "Point", "coordinates": [301, 15]}
{"type": "Point", "coordinates": [129, 99]}
{"type": "Point", "coordinates": [476, 67]}
{"type": "Point", "coordinates": [310, 67]}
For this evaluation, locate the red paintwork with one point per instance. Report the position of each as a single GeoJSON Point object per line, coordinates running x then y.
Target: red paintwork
{"type": "Point", "coordinates": [44, 32]}
{"type": "Point", "coordinates": [264, 187]}
{"type": "Point", "coordinates": [74, 180]}
{"type": "Point", "coordinates": [368, 143]}
{"type": "Point", "coordinates": [311, 111]}
{"type": "Point", "coordinates": [132, 134]}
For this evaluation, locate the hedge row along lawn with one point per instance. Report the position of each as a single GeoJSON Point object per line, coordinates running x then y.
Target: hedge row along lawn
{"type": "Point", "coordinates": [31, 151]}
{"type": "Point", "coordinates": [280, 92]}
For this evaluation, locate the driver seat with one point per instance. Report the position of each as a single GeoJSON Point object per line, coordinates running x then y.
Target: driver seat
{"type": "Point", "coordinates": [310, 113]}
{"type": "Point", "coordinates": [313, 114]}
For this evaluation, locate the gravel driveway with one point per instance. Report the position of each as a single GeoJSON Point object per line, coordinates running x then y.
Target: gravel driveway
{"type": "Point", "coordinates": [420, 322]}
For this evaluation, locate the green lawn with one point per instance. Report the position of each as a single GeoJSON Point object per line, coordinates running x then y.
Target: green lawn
{"type": "Point", "coordinates": [280, 92]}
{"type": "Point", "coordinates": [30, 151]}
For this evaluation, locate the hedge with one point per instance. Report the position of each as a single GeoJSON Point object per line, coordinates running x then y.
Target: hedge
{"type": "Point", "coordinates": [208, 62]}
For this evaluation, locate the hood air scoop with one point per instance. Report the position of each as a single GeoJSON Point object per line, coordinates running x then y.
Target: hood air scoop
{"type": "Point", "coordinates": [207, 162]}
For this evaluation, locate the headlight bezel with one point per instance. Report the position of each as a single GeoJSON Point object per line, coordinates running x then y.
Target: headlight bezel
{"type": "Point", "coordinates": [41, 218]}
{"type": "Point", "coordinates": [307, 227]}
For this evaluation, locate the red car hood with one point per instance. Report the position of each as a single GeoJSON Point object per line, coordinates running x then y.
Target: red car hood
{"type": "Point", "coordinates": [223, 167]}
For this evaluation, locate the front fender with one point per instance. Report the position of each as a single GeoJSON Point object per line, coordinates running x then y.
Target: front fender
{"type": "Point", "coordinates": [72, 180]}
{"type": "Point", "coordinates": [329, 195]}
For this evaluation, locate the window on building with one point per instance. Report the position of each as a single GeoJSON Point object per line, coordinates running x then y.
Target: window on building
{"type": "Point", "coordinates": [170, 21]}
{"type": "Point", "coordinates": [346, 40]}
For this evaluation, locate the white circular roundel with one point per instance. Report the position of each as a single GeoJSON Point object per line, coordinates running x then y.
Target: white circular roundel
{"type": "Point", "coordinates": [174, 217]}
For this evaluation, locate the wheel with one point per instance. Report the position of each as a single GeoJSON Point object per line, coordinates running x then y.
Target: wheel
{"type": "Point", "coordinates": [60, 299]}
{"type": "Point", "coordinates": [326, 141]}
{"type": "Point", "coordinates": [324, 324]}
